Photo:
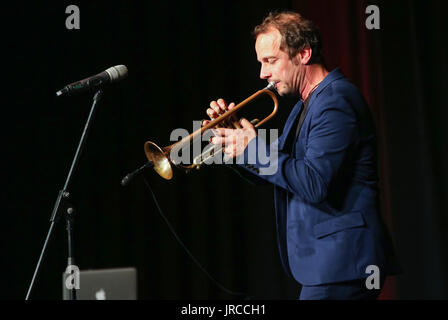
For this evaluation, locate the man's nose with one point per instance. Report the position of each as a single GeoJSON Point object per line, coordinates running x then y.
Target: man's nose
{"type": "Point", "coordinates": [264, 73]}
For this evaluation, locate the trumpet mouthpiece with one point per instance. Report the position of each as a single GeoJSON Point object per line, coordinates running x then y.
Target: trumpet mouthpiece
{"type": "Point", "coordinates": [271, 85]}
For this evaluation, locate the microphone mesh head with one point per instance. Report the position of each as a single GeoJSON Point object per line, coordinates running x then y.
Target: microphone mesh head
{"type": "Point", "coordinates": [117, 73]}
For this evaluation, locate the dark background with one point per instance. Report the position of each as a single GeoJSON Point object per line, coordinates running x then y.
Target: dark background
{"type": "Point", "coordinates": [181, 55]}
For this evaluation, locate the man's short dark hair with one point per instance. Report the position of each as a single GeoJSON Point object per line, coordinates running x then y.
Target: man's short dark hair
{"type": "Point", "coordinates": [296, 31]}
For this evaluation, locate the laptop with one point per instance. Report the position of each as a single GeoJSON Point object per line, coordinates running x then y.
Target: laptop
{"type": "Point", "coordinates": [104, 284]}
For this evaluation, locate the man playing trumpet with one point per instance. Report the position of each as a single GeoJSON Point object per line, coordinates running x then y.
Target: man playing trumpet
{"type": "Point", "coordinates": [329, 230]}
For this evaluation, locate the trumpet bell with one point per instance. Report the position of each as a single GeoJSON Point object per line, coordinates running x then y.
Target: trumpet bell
{"type": "Point", "coordinates": [158, 157]}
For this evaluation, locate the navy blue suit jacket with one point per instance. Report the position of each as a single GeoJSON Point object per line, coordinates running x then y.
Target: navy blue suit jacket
{"type": "Point", "coordinates": [325, 188]}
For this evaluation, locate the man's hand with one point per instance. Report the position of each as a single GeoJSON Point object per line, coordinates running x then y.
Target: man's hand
{"type": "Point", "coordinates": [234, 141]}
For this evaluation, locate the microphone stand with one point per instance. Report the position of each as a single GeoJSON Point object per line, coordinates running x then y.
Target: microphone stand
{"type": "Point", "coordinates": [63, 203]}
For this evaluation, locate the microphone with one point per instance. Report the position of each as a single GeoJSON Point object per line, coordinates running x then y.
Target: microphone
{"type": "Point", "coordinates": [110, 75]}
{"type": "Point", "coordinates": [131, 175]}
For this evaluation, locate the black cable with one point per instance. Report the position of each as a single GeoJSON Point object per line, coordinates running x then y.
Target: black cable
{"type": "Point", "coordinates": [188, 251]}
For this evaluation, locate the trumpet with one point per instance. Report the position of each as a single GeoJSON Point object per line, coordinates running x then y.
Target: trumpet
{"type": "Point", "coordinates": [160, 157]}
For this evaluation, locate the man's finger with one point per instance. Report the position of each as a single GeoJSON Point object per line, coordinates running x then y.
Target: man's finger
{"type": "Point", "coordinates": [222, 104]}
{"type": "Point", "coordinates": [215, 106]}
{"type": "Point", "coordinates": [246, 123]}
{"type": "Point", "coordinates": [222, 131]}
{"type": "Point", "coordinates": [218, 140]}
{"type": "Point", "coordinates": [229, 151]}
{"type": "Point", "coordinates": [211, 113]}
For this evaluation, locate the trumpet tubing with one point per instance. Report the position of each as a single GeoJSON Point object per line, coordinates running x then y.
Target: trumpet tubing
{"type": "Point", "coordinates": [160, 157]}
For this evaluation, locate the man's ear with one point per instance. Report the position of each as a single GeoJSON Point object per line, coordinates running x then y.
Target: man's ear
{"type": "Point", "coordinates": [304, 55]}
